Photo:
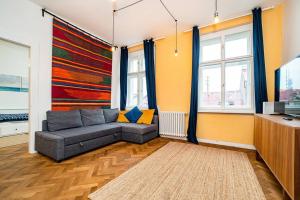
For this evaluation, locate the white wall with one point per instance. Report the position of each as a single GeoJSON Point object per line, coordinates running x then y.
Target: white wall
{"type": "Point", "coordinates": [13, 101]}
{"type": "Point", "coordinates": [9, 64]}
{"type": "Point", "coordinates": [291, 30]}
{"type": "Point", "coordinates": [21, 21]}
{"type": "Point", "coordinates": [115, 82]}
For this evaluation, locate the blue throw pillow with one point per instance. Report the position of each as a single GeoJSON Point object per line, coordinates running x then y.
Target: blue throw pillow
{"type": "Point", "coordinates": [134, 114]}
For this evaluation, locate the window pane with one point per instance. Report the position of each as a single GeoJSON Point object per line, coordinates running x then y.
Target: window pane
{"type": "Point", "coordinates": [144, 98]}
{"type": "Point", "coordinates": [133, 65]}
{"type": "Point", "coordinates": [238, 85]}
{"type": "Point", "coordinates": [142, 63]}
{"type": "Point", "coordinates": [210, 86]}
{"type": "Point", "coordinates": [132, 97]}
{"type": "Point", "coordinates": [237, 45]}
{"type": "Point", "coordinates": [210, 50]}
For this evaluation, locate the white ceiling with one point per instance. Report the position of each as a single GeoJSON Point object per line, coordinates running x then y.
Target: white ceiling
{"type": "Point", "coordinates": [148, 18]}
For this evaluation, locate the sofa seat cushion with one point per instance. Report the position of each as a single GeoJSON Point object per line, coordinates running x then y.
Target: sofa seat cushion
{"type": "Point", "coordinates": [137, 128]}
{"type": "Point", "coordinates": [76, 135]}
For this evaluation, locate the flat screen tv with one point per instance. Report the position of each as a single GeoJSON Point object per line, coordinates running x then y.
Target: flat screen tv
{"type": "Point", "coordinates": [287, 86]}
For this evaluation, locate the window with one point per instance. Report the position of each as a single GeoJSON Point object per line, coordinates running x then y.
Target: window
{"type": "Point", "coordinates": [225, 71]}
{"type": "Point", "coordinates": [136, 82]}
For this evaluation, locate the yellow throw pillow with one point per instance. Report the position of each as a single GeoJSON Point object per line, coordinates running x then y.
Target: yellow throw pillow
{"type": "Point", "coordinates": [146, 117]}
{"type": "Point", "coordinates": [122, 118]}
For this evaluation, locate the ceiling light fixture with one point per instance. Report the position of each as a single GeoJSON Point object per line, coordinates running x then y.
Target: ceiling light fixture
{"type": "Point", "coordinates": [176, 49]}
{"type": "Point", "coordinates": [114, 46]}
{"type": "Point", "coordinates": [216, 14]}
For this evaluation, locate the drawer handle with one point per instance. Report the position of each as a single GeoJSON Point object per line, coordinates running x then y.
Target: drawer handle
{"type": "Point", "coordinates": [81, 144]}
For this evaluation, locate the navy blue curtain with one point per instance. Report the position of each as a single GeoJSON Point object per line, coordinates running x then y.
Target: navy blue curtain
{"type": "Point", "coordinates": [123, 77]}
{"type": "Point", "coordinates": [191, 132]}
{"type": "Point", "coordinates": [260, 84]}
{"type": "Point", "coordinates": [150, 74]}
{"type": "Point", "coordinates": [277, 84]}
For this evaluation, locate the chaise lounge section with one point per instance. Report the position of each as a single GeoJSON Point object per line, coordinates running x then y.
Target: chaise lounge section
{"type": "Point", "coordinates": [68, 133]}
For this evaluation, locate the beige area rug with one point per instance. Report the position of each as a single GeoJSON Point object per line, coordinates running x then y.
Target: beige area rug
{"type": "Point", "coordinates": [186, 171]}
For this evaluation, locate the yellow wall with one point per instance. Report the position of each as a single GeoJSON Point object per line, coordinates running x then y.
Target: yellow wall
{"type": "Point", "coordinates": [173, 78]}
{"type": "Point", "coordinates": [273, 39]}
{"type": "Point", "coordinates": [135, 48]}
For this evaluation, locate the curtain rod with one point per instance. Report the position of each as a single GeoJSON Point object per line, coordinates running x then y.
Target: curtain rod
{"type": "Point", "coordinates": [140, 43]}
{"type": "Point", "coordinates": [268, 8]}
{"type": "Point", "coordinates": [76, 27]}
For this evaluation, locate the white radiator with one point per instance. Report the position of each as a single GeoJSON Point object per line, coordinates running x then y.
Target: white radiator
{"type": "Point", "coordinates": [172, 124]}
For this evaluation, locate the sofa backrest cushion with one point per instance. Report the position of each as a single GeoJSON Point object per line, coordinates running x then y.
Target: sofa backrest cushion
{"type": "Point", "coordinates": [92, 117]}
{"type": "Point", "coordinates": [111, 115]}
{"type": "Point", "coordinates": [59, 120]}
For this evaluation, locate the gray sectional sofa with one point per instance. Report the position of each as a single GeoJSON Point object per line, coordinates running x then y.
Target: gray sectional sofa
{"type": "Point", "coordinates": [68, 133]}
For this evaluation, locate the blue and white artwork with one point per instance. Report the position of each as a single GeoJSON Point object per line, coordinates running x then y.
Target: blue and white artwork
{"type": "Point", "coordinates": [13, 83]}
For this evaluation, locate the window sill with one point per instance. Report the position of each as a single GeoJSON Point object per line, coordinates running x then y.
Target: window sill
{"type": "Point", "coordinates": [218, 111]}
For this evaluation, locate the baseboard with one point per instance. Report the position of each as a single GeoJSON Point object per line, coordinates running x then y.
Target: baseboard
{"type": "Point", "coordinates": [229, 144]}
{"type": "Point", "coordinates": [217, 142]}
{"type": "Point", "coordinates": [173, 137]}
{"type": "Point", "coordinates": [32, 152]}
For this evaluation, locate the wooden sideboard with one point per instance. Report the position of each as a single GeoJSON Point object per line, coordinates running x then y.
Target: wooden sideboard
{"type": "Point", "coordinates": [277, 142]}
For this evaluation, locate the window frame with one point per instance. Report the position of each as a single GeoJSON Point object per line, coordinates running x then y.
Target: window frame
{"type": "Point", "coordinates": [140, 74]}
{"type": "Point", "coordinates": [222, 62]}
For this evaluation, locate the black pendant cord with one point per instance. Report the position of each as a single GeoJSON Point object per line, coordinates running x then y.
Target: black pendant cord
{"type": "Point", "coordinates": [176, 22]}
{"type": "Point", "coordinates": [139, 1]}
{"type": "Point", "coordinates": [113, 35]}
{"type": "Point", "coordinates": [168, 10]}
{"type": "Point", "coordinates": [68, 23]}
{"type": "Point", "coordinates": [114, 47]}
{"type": "Point", "coordinates": [176, 50]}
{"type": "Point", "coordinates": [129, 5]}
{"type": "Point", "coordinates": [113, 21]}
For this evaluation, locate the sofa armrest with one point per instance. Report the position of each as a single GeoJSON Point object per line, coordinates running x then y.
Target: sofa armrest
{"type": "Point", "coordinates": [50, 145]}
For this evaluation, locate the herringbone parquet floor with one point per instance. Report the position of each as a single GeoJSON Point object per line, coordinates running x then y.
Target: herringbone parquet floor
{"type": "Point", "coordinates": [27, 176]}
